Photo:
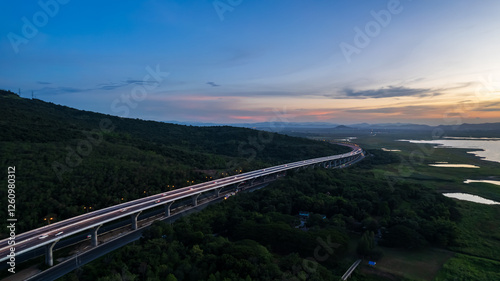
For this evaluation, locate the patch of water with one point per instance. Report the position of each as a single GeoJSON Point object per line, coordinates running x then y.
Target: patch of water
{"type": "Point", "coordinates": [454, 166]}
{"type": "Point", "coordinates": [486, 181]}
{"type": "Point", "coordinates": [471, 198]}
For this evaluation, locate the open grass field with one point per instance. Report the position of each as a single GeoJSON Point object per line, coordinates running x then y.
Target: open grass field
{"type": "Point", "coordinates": [479, 233]}
{"type": "Point", "coordinates": [399, 264]}
{"type": "Point", "coordinates": [480, 224]}
{"type": "Point", "coordinates": [467, 268]}
{"type": "Point", "coordinates": [413, 265]}
{"type": "Point", "coordinates": [475, 255]}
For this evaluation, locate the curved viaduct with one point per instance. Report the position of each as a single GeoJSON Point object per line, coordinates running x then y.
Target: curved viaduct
{"type": "Point", "coordinates": [50, 234]}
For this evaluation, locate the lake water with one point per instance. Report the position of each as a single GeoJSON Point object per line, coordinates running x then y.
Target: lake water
{"type": "Point", "coordinates": [396, 150]}
{"type": "Point", "coordinates": [454, 165]}
{"type": "Point", "coordinates": [485, 181]}
{"type": "Point", "coordinates": [349, 139]}
{"type": "Point", "coordinates": [487, 148]}
{"type": "Point", "coordinates": [471, 198]}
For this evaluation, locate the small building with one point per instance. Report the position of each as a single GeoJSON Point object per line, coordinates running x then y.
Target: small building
{"type": "Point", "coordinates": [304, 215]}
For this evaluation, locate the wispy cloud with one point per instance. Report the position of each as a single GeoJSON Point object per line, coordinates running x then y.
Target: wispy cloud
{"type": "Point", "coordinates": [396, 92]}
{"type": "Point", "coordinates": [110, 86]}
{"type": "Point", "coordinates": [393, 110]}
{"type": "Point", "coordinates": [139, 82]}
{"type": "Point", "coordinates": [60, 90]}
{"type": "Point", "coordinates": [55, 90]}
{"type": "Point", "coordinates": [213, 84]}
{"type": "Point", "coordinates": [489, 107]}
{"type": "Point", "coordinates": [114, 85]}
{"type": "Point", "coordinates": [387, 92]}
{"type": "Point", "coordinates": [493, 109]}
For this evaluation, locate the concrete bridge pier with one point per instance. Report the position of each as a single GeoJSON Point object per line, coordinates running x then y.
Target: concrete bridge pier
{"type": "Point", "coordinates": [167, 208]}
{"type": "Point", "coordinates": [238, 186]}
{"type": "Point", "coordinates": [49, 255]}
{"type": "Point", "coordinates": [94, 236]}
{"type": "Point", "coordinates": [195, 199]}
{"type": "Point", "coordinates": [133, 217]}
{"type": "Point", "coordinates": [217, 192]}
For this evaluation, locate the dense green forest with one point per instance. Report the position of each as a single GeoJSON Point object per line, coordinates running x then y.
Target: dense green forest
{"type": "Point", "coordinates": [70, 161]}
{"type": "Point", "coordinates": [254, 236]}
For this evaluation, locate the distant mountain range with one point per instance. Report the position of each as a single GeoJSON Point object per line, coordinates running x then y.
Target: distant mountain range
{"type": "Point", "coordinates": [278, 126]}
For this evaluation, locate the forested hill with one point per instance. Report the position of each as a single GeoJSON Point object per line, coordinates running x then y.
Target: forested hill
{"type": "Point", "coordinates": [68, 160]}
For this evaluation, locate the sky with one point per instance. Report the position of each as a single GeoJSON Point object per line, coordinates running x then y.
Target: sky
{"type": "Point", "coordinates": [242, 61]}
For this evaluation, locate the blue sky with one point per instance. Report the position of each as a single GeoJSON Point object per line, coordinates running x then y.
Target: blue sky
{"type": "Point", "coordinates": [431, 62]}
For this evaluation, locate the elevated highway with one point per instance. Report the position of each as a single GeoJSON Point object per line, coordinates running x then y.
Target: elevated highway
{"type": "Point", "coordinates": [47, 236]}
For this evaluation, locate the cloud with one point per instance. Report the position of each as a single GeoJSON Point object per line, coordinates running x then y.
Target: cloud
{"type": "Point", "coordinates": [112, 86]}
{"type": "Point", "coordinates": [213, 84]}
{"type": "Point", "coordinates": [59, 90]}
{"type": "Point", "coordinates": [410, 110]}
{"type": "Point", "coordinates": [139, 82]}
{"type": "Point", "coordinates": [493, 109]}
{"type": "Point", "coordinates": [396, 92]}
{"type": "Point", "coordinates": [104, 86]}
{"type": "Point", "coordinates": [387, 92]}
{"type": "Point", "coordinates": [488, 107]}
{"type": "Point", "coordinates": [386, 110]}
